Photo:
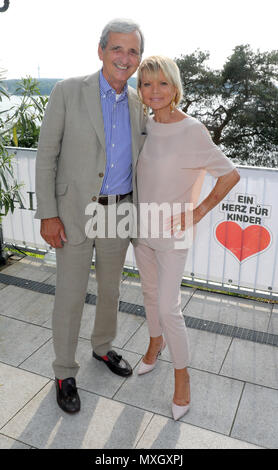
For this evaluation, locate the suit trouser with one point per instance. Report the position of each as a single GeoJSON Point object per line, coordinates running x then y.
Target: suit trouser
{"type": "Point", "coordinates": [161, 274]}
{"type": "Point", "coordinates": [73, 268]}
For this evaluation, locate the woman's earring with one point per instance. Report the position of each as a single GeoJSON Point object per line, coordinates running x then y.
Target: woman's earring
{"type": "Point", "coordinates": [173, 104]}
{"type": "Point", "coordinates": [145, 107]}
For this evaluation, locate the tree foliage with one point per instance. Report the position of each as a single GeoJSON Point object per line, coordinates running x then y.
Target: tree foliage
{"type": "Point", "coordinates": [238, 104]}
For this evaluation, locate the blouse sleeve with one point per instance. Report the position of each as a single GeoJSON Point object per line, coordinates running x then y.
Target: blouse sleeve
{"type": "Point", "coordinates": [209, 154]}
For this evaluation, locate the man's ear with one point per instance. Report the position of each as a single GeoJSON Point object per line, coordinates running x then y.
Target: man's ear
{"type": "Point", "coordinates": [100, 52]}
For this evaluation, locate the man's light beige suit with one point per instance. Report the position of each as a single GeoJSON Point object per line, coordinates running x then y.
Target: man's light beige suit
{"type": "Point", "coordinates": [71, 162]}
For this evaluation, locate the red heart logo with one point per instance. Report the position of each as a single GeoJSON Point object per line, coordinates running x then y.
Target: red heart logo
{"type": "Point", "coordinates": [243, 242]}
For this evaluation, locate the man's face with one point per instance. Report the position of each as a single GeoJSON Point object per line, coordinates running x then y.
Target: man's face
{"type": "Point", "coordinates": [120, 58]}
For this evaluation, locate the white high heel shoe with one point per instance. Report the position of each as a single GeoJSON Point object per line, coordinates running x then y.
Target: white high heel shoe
{"type": "Point", "coordinates": [179, 411]}
{"type": "Point", "coordinates": [145, 368]}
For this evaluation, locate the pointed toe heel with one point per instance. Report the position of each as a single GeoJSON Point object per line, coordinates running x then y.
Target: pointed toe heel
{"type": "Point", "coordinates": [179, 411]}
{"type": "Point", "coordinates": [145, 368]}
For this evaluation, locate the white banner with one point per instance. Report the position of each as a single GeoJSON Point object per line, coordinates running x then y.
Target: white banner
{"type": "Point", "coordinates": [236, 242]}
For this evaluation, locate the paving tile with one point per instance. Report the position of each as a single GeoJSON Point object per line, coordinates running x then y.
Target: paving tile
{"type": "Point", "coordinates": [257, 417]}
{"type": "Point", "coordinates": [31, 418]}
{"type": "Point", "coordinates": [127, 325]}
{"type": "Point", "coordinates": [30, 268]}
{"type": "Point", "coordinates": [273, 324]}
{"type": "Point", "coordinates": [51, 280]}
{"type": "Point", "coordinates": [131, 291]}
{"type": "Point", "coordinates": [208, 350]}
{"type": "Point", "coordinates": [93, 375]}
{"type": "Point", "coordinates": [243, 313]}
{"type": "Point", "coordinates": [27, 305]}
{"type": "Point", "coordinates": [252, 362]}
{"type": "Point", "coordinates": [92, 283]}
{"type": "Point", "coordinates": [17, 387]}
{"type": "Point", "coordinates": [214, 398]}
{"type": "Point", "coordinates": [18, 340]}
{"type": "Point", "coordinates": [163, 433]}
{"type": "Point", "coordinates": [8, 443]}
{"type": "Point", "coordinates": [101, 423]}
{"type": "Point", "coordinates": [140, 340]}
{"type": "Point", "coordinates": [41, 361]}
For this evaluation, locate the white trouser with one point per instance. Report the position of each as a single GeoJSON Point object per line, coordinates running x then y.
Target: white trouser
{"type": "Point", "coordinates": [161, 273]}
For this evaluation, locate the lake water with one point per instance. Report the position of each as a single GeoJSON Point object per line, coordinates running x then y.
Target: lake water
{"type": "Point", "coordinates": [8, 106]}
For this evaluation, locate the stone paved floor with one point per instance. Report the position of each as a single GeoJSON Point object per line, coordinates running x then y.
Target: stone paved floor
{"type": "Point", "coordinates": [234, 382]}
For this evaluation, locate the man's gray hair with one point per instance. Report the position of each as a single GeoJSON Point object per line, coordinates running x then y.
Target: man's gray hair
{"type": "Point", "coordinates": [120, 25]}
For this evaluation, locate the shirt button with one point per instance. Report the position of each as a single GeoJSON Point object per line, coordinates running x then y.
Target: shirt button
{"type": "Point", "coordinates": [114, 126]}
{"type": "Point", "coordinates": [113, 145]}
{"type": "Point", "coordinates": [112, 165]}
{"type": "Point", "coordinates": [100, 175]}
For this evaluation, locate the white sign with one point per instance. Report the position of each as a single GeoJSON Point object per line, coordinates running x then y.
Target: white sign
{"type": "Point", "coordinates": [236, 243]}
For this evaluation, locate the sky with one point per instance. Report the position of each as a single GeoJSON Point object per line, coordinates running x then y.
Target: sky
{"type": "Point", "coordinates": [59, 38]}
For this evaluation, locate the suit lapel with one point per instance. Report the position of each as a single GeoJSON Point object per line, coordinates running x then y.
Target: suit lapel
{"type": "Point", "coordinates": [134, 113]}
{"type": "Point", "coordinates": [91, 96]}
{"type": "Point", "coordinates": [92, 99]}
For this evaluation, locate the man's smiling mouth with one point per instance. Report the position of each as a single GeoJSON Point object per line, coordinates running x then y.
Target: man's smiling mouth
{"type": "Point", "coordinates": [121, 67]}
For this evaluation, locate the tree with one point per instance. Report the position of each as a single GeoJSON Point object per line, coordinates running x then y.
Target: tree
{"type": "Point", "coordinates": [238, 104]}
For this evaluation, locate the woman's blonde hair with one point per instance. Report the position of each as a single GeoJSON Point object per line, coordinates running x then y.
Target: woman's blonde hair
{"type": "Point", "coordinates": [153, 65]}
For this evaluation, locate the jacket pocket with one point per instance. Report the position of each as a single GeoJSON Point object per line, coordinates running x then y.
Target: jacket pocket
{"type": "Point", "coordinates": [61, 189]}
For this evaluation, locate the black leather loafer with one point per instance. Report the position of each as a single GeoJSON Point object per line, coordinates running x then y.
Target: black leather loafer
{"type": "Point", "coordinates": [116, 363]}
{"type": "Point", "coordinates": [67, 395]}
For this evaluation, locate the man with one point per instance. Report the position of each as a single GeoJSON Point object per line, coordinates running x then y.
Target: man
{"type": "Point", "coordinates": [89, 144]}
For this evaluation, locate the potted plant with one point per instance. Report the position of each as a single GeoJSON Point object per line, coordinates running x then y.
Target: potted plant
{"type": "Point", "coordinates": [9, 188]}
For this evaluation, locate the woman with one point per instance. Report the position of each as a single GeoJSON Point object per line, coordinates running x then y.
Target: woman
{"type": "Point", "coordinates": [171, 167]}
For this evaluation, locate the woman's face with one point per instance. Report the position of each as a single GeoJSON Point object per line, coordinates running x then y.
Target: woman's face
{"type": "Point", "coordinates": [156, 91]}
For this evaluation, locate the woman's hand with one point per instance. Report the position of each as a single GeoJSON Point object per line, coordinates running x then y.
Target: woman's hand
{"type": "Point", "coordinates": [180, 222]}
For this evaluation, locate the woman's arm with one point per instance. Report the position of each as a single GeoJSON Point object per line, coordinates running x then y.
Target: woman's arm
{"type": "Point", "coordinates": [222, 187]}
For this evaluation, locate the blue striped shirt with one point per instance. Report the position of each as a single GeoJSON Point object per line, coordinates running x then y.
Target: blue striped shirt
{"type": "Point", "coordinates": [115, 111]}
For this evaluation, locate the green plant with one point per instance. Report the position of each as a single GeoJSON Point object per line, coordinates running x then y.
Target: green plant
{"type": "Point", "coordinates": [9, 188]}
{"type": "Point", "coordinates": [27, 116]}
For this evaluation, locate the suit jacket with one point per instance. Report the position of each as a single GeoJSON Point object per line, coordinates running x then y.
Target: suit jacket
{"type": "Point", "coordinates": [71, 157]}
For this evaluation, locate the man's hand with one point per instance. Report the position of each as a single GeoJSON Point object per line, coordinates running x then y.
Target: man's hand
{"type": "Point", "coordinates": [53, 232]}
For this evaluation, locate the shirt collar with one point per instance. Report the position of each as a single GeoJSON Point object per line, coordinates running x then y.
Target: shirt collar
{"type": "Point", "coordinates": [106, 88]}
